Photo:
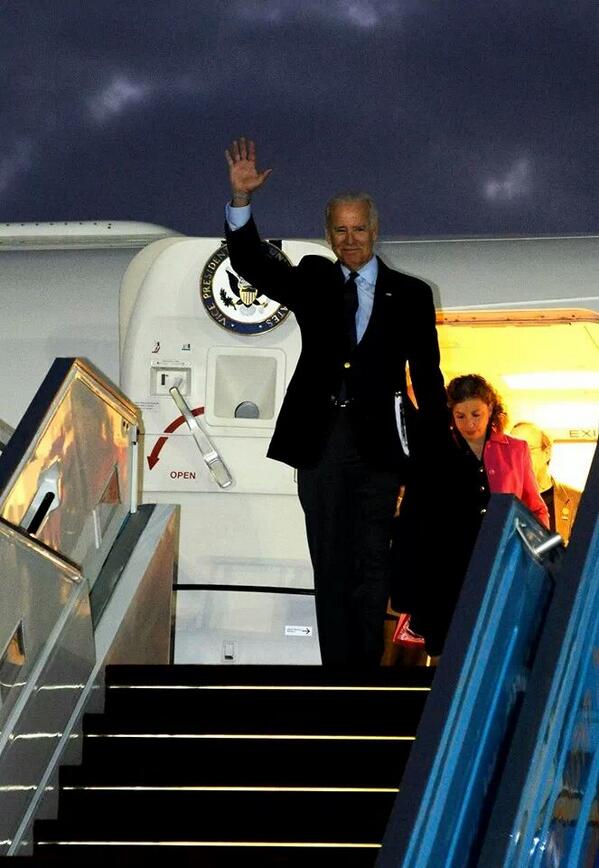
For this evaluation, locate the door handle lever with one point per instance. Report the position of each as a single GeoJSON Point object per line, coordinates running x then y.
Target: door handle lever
{"type": "Point", "coordinates": [216, 466]}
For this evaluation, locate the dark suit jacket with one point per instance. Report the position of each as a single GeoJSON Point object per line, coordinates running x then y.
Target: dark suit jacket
{"type": "Point", "coordinates": [401, 330]}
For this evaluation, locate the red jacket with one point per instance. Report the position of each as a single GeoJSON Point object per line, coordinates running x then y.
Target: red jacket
{"type": "Point", "coordinates": [509, 471]}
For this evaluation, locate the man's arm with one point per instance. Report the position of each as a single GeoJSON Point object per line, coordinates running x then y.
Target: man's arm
{"type": "Point", "coordinates": [248, 254]}
{"type": "Point", "coordinates": [424, 361]}
{"type": "Point", "coordinates": [237, 216]}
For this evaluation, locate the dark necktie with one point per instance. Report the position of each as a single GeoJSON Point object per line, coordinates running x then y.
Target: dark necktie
{"type": "Point", "coordinates": [350, 306]}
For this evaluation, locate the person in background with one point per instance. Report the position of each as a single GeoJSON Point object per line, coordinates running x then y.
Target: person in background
{"type": "Point", "coordinates": [561, 500]}
{"type": "Point", "coordinates": [480, 460]}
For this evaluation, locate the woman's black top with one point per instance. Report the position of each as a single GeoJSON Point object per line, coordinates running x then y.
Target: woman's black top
{"type": "Point", "coordinates": [436, 532]}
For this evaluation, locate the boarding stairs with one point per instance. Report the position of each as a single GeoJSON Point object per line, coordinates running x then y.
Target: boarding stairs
{"type": "Point", "coordinates": [217, 766]}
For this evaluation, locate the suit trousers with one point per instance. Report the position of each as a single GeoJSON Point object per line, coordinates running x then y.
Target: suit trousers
{"type": "Point", "coordinates": [349, 508]}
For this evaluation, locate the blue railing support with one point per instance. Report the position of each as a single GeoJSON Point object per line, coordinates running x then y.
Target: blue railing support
{"type": "Point", "coordinates": [449, 782]}
{"type": "Point", "coordinates": [547, 811]}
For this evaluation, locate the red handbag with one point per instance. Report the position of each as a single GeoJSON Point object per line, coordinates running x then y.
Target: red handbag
{"type": "Point", "coordinates": [403, 635]}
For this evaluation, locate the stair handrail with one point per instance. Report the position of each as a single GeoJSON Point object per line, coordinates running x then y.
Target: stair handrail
{"type": "Point", "coordinates": [467, 721]}
{"type": "Point", "coordinates": [44, 621]}
{"type": "Point", "coordinates": [547, 798]}
{"type": "Point", "coordinates": [515, 780]}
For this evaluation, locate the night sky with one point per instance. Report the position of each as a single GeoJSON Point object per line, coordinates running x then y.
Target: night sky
{"type": "Point", "coordinates": [461, 117]}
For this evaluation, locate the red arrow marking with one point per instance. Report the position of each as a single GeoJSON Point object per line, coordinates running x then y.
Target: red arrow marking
{"type": "Point", "coordinates": [153, 456]}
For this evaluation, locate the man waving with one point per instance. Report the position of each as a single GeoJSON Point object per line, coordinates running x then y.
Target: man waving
{"type": "Point", "coordinates": [346, 423]}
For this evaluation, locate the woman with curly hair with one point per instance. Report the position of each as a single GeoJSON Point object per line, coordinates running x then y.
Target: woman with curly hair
{"type": "Point", "coordinates": [478, 422]}
{"type": "Point", "coordinates": [479, 460]}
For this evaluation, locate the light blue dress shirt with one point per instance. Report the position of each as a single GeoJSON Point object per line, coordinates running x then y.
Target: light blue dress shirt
{"type": "Point", "coordinates": [365, 281]}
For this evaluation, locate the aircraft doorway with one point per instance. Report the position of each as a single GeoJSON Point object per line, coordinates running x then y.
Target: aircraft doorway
{"type": "Point", "coordinates": [544, 364]}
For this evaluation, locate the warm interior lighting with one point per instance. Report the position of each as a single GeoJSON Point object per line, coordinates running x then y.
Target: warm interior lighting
{"type": "Point", "coordinates": [570, 463]}
{"type": "Point", "coordinates": [569, 416]}
{"type": "Point", "coordinates": [558, 380]}
{"type": "Point", "coordinates": [545, 365]}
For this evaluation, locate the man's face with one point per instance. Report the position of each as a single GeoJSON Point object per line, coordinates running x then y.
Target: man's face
{"type": "Point", "coordinates": [534, 438]}
{"type": "Point", "coordinates": [350, 234]}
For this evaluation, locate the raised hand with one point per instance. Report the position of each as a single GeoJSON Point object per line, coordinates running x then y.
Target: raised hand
{"type": "Point", "coordinates": [243, 174]}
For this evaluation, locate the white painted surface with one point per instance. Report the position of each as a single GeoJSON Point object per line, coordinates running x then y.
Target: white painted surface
{"type": "Point", "coordinates": [59, 296]}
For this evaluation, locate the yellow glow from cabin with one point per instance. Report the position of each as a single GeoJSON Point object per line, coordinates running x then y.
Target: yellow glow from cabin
{"type": "Point", "coordinates": [566, 380]}
{"type": "Point", "coordinates": [545, 366]}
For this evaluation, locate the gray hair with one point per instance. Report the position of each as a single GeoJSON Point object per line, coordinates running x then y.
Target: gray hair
{"type": "Point", "coordinates": [351, 197]}
{"type": "Point", "coordinates": [546, 441]}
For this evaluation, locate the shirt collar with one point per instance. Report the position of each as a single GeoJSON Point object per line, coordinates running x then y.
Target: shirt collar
{"type": "Point", "coordinates": [497, 436]}
{"type": "Point", "coordinates": [369, 271]}
{"type": "Point", "coordinates": [493, 436]}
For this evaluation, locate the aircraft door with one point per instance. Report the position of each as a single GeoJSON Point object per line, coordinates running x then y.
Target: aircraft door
{"type": "Point", "coordinates": [207, 358]}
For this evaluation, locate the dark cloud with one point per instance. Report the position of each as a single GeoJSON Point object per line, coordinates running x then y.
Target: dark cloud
{"type": "Point", "coordinates": [460, 118]}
